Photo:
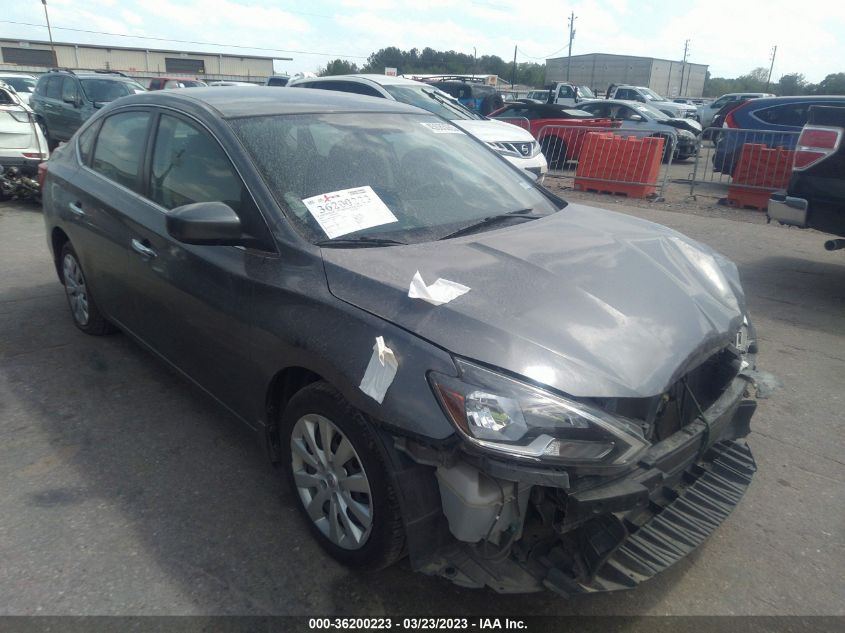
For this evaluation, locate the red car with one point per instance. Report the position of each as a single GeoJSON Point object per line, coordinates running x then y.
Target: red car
{"type": "Point", "coordinates": [560, 129]}
{"type": "Point", "coordinates": [166, 83]}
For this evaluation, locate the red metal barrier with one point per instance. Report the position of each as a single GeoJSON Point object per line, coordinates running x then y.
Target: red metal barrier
{"type": "Point", "coordinates": [759, 172]}
{"type": "Point", "coordinates": [619, 165]}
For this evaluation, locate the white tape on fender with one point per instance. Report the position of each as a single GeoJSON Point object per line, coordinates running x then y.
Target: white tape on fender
{"type": "Point", "coordinates": [380, 371]}
{"type": "Point", "coordinates": [440, 292]}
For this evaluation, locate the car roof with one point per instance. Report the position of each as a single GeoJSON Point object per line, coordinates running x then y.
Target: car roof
{"type": "Point", "coordinates": [381, 80]}
{"type": "Point", "coordinates": [243, 101]}
{"type": "Point", "coordinates": [88, 74]}
{"type": "Point", "coordinates": [765, 102]}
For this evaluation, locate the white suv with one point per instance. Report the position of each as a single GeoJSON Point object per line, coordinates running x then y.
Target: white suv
{"type": "Point", "coordinates": [512, 142]}
{"type": "Point", "coordinates": [650, 97]}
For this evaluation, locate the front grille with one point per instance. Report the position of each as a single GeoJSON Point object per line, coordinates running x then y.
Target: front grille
{"type": "Point", "coordinates": [667, 413]}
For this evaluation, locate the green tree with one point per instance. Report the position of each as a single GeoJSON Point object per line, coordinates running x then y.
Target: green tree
{"type": "Point", "coordinates": [338, 67]}
{"type": "Point", "coordinates": [791, 84]}
{"type": "Point", "coordinates": [833, 84]}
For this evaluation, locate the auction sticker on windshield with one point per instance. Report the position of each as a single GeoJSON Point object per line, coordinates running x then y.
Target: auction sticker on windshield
{"type": "Point", "coordinates": [348, 210]}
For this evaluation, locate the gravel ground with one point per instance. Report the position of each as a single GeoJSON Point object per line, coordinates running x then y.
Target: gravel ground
{"type": "Point", "coordinates": [126, 491]}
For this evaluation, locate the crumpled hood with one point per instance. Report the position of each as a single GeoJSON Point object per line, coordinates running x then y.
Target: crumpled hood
{"type": "Point", "coordinates": [590, 302]}
{"type": "Point", "coordinates": [491, 131]}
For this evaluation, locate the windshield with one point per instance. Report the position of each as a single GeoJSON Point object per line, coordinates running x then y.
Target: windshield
{"type": "Point", "coordinates": [651, 95]}
{"type": "Point", "coordinates": [431, 99]}
{"type": "Point", "coordinates": [20, 84]}
{"type": "Point", "coordinates": [404, 177]}
{"type": "Point", "coordinates": [585, 92]}
{"type": "Point", "coordinates": [651, 111]}
{"type": "Point", "coordinates": [104, 90]}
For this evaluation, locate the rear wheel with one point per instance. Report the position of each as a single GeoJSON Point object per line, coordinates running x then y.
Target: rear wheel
{"type": "Point", "coordinates": [339, 478]}
{"type": "Point", "coordinates": [86, 315]}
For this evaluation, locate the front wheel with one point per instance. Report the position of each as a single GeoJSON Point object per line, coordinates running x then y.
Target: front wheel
{"type": "Point", "coordinates": [340, 480]}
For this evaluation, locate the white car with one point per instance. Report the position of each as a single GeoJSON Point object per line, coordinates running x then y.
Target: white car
{"type": "Point", "coordinates": [225, 82]}
{"type": "Point", "coordinates": [23, 84]}
{"type": "Point", "coordinates": [22, 144]}
{"type": "Point", "coordinates": [514, 143]}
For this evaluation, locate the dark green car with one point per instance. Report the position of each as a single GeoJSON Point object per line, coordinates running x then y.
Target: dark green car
{"type": "Point", "coordinates": [64, 99]}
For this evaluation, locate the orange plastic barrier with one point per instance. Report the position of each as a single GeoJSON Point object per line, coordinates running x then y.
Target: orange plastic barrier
{"type": "Point", "coordinates": [615, 164]}
{"type": "Point", "coordinates": [760, 171]}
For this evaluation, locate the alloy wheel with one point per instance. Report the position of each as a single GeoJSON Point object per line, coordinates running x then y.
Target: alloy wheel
{"type": "Point", "coordinates": [331, 481]}
{"type": "Point", "coordinates": [75, 288]}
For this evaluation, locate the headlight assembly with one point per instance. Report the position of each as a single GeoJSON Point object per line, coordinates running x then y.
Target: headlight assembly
{"type": "Point", "coordinates": [513, 418]}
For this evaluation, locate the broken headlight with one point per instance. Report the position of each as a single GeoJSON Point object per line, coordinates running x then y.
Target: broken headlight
{"type": "Point", "coordinates": [517, 419]}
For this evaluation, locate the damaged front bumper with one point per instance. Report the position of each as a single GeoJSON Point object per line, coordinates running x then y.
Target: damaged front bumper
{"type": "Point", "coordinates": [518, 529]}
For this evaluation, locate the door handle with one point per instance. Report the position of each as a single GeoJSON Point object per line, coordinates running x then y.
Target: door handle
{"type": "Point", "coordinates": [76, 208]}
{"type": "Point", "coordinates": [139, 248]}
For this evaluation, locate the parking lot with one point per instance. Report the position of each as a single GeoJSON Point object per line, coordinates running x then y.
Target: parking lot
{"type": "Point", "coordinates": [127, 491]}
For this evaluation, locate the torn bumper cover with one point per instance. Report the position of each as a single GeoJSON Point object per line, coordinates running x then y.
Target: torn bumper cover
{"type": "Point", "coordinates": [589, 533]}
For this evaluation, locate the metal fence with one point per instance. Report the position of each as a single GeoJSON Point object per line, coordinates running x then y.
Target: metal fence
{"type": "Point", "coordinates": [752, 160]}
{"type": "Point", "coordinates": [564, 146]}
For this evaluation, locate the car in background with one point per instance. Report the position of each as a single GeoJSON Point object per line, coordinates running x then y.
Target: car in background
{"type": "Point", "coordinates": [277, 80]}
{"type": "Point", "coordinates": [169, 83]}
{"type": "Point", "coordinates": [23, 84]}
{"type": "Point", "coordinates": [568, 417]}
{"type": "Point", "coordinates": [815, 196]}
{"type": "Point", "coordinates": [560, 130]}
{"type": "Point", "coordinates": [639, 119]}
{"type": "Point", "coordinates": [474, 95]}
{"type": "Point", "coordinates": [650, 97]}
{"type": "Point", "coordinates": [708, 111]}
{"type": "Point", "coordinates": [774, 122]}
{"type": "Point", "coordinates": [226, 82]}
{"type": "Point", "coordinates": [64, 99]}
{"type": "Point", "coordinates": [537, 96]}
{"type": "Point", "coordinates": [564, 93]}
{"type": "Point", "coordinates": [712, 132]}
{"type": "Point", "coordinates": [22, 144]}
{"type": "Point", "coordinates": [516, 145]}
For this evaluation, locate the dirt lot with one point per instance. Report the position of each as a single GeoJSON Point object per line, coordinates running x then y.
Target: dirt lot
{"type": "Point", "coordinates": [125, 491]}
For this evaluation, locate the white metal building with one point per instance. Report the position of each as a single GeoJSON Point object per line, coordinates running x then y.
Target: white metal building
{"type": "Point", "coordinates": [36, 56]}
{"type": "Point", "coordinates": [598, 70]}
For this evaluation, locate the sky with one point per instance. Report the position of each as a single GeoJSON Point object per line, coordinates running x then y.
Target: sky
{"type": "Point", "coordinates": [731, 36]}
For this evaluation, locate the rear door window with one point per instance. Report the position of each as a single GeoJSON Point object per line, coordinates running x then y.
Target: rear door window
{"type": "Point", "coordinates": [120, 146]}
{"type": "Point", "coordinates": [53, 90]}
{"type": "Point", "coordinates": [566, 92]}
{"type": "Point", "coordinates": [789, 114]}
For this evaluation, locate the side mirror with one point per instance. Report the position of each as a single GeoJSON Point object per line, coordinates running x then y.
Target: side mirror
{"type": "Point", "coordinates": [210, 223]}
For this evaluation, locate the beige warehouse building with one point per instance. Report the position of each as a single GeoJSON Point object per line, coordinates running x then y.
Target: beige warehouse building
{"type": "Point", "coordinates": [37, 56]}
{"type": "Point", "coordinates": [599, 70]}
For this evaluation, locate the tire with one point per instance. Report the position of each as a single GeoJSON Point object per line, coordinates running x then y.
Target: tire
{"type": "Point", "coordinates": [83, 309]}
{"type": "Point", "coordinates": [316, 412]}
{"type": "Point", "coordinates": [668, 148]}
{"type": "Point", "coordinates": [554, 149]}
{"type": "Point", "coordinates": [491, 103]}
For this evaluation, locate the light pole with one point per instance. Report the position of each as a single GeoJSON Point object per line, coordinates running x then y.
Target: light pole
{"type": "Point", "coordinates": [50, 32]}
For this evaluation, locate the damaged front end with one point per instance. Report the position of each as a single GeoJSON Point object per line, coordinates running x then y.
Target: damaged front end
{"type": "Point", "coordinates": [582, 496]}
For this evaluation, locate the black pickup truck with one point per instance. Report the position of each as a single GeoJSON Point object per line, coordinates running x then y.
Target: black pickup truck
{"type": "Point", "coordinates": [815, 197]}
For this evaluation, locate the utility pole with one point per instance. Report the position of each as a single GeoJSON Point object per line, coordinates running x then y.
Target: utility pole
{"type": "Point", "coordinates": [772, 67]}
{"type": "Point", "coordinates": [50, 32]}
{"type": "Point", "coordinates": [513, 75]}
{"type": "Point", "coordinates": [572, 19]}
{"type": "Point", "coordinates": [682, 92]}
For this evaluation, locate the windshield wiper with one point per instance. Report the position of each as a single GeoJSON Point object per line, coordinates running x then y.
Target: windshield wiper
{"type": "Point", "coordinates": [492, 219]}
{"type": "Point", "coordinates": [362, 241]}
{"type": "Point", "coordinates": [455, 107]}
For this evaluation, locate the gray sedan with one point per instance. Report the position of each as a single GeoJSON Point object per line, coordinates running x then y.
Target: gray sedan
{"type": "Point", "coordinates": [641, 119]}
{"type": "Point", "coordinates": [445, 360]}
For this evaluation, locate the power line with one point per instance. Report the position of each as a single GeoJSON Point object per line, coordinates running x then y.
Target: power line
{"type": "Point", "coordinates": [544, 57]}
{"type": "Point", "coordinates": [167, 39]}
